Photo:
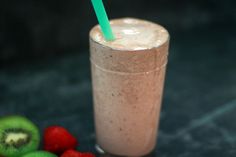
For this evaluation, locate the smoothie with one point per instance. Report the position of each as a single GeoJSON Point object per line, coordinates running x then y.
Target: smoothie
{"type": "Point", "coordinates": [128, 77]}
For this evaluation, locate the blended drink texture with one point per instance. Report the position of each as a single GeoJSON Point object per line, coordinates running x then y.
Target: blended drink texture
{"type": "Point", "coordinates": [128, 77]}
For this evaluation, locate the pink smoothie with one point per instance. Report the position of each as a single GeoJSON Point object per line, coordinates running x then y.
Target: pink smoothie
{"type": "Point", "coordinates": [128, 77]}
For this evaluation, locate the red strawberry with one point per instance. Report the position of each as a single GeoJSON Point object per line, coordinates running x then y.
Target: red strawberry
{"type": "Point", "coordinates": [73, 153]}
{"type": "Point", "coordinates": [57, 140]}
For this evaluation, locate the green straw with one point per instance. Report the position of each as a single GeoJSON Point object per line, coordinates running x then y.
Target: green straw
{"type": "Point", "coordinates": [103, 19]}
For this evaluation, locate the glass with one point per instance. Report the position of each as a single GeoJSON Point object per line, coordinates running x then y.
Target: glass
{"type": "Point", "coordinates": [127, 95]}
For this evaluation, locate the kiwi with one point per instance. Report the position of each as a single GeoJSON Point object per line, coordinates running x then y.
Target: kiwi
{"type": "Point", "coordinates": [18, 136]}
{"type": "Point", "coordinates": [39, 154]}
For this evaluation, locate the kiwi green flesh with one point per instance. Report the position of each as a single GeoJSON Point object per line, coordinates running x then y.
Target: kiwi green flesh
{"type": "Point", "coordinates": [39, 154]}
{"type": "Point", "coordinates": [18, 136]}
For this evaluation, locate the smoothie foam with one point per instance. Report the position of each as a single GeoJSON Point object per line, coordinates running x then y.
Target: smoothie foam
{"type": "Point", "coordinates": [132, 34]}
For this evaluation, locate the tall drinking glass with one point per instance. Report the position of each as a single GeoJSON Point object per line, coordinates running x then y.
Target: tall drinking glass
{"type": "Point", "coordinates": [127, 78]}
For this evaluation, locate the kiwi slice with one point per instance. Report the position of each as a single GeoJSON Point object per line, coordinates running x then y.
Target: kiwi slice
{"type": "Point", "coordinates": [39, 154]}
{"type": "Point", "coordinates": [18, 136]}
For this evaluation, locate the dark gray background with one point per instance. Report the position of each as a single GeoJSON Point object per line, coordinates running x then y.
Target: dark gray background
{"type": "Point", "coordinates": [35, 28]}
{"type": "Point", "coordinates": [45, 73]}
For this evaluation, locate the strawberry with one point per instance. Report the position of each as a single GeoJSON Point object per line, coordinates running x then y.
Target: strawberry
{"type": "Point", "coordinates": [73, 153]}
{"type": "Point", "coordinates": [57, 140]}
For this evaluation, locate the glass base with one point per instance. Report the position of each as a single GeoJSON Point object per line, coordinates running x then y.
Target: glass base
{"type": "Point", "coordinates": [99, 149]}
{"type": "Point", "coordinates": [102, 153]}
